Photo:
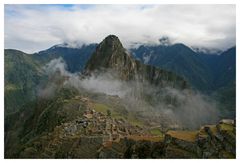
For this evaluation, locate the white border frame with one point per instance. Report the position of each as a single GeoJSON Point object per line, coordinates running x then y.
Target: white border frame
{"type": "Point", "coordinates": [237, 2]}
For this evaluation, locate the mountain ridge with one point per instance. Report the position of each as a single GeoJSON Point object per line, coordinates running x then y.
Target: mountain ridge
{"type": "Point", "coordinates": [196, 68]}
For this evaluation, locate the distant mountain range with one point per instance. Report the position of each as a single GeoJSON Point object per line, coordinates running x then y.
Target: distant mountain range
{"type": "Point", "coordinates": [75, 58]}
{"type": "Point", "coordinates": [205, 72]}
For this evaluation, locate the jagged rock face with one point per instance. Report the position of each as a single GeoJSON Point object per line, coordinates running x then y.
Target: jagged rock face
{"type": "Point", "coordinates": [110, 54]}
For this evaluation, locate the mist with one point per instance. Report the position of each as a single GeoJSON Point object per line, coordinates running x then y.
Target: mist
{"type": "Point", "coordinates": [183, 108]}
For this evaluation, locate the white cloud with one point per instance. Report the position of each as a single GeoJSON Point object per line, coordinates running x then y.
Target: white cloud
{"type": "Point", "coordinates": [36, 27]}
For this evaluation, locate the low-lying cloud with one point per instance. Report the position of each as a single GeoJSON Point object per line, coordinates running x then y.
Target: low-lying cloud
{"type": "Point", "coordinates": [184, 108]}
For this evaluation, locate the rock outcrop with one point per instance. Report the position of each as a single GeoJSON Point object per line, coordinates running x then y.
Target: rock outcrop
{"type": "Point", "coordinates": [211, 141]}
{"type": "Point", "coordinates": [129, 148]}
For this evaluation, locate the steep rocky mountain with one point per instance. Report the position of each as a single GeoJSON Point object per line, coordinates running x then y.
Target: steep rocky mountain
{"type": "Point", "coordinates": [110, 54]}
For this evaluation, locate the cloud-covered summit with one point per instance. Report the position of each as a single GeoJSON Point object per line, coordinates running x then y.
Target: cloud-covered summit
{"type": "Point", "coordinates": [35, 27]}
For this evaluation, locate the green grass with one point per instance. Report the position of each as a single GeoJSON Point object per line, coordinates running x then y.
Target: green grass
{"type": "Point", "coordinates": [226, 127]}
{"type": "Point", "coordinates": [101, 108]}
{"type": "Point", "coordinates": [184, 135]}
{"type": "Point", "coordinates": [146, 138]}
{"type": "Point", "coordinates": [156, 131]}
{"type": "Point", "coordinates": [134, 121]}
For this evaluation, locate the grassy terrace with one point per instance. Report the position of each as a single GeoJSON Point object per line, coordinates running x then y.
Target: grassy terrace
{"type": "Point", "coordinates": [104, 108]}
{"type": "Point", "coordinates": [146, 138]}
{"type": "Point", "coordinates": [134, 121]}
{"type": "Point", "coordinates": [156, 131]}
{"type": "Point", "coordinates": [183, 135]}
{"type": "Point", "coordinates": [226, 127]}
{"type": "Point", "coordinates": [99, 107]}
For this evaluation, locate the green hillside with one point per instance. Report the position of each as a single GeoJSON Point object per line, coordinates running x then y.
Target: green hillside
{"type": "Point", "coordinates": [22, 76]}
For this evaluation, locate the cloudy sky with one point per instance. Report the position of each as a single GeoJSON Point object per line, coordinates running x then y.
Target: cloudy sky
{"type": "Point", "coordinates": [31, 28]}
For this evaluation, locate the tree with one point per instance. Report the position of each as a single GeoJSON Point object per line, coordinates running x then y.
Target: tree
{"type": "Point", "coordinates": [109, 113]}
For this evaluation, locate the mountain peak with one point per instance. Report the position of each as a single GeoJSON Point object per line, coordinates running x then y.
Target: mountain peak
{"type": "Point", "coordinates": [111, 41]}
{"type": "Point", "coordinates": [108, 54]}
{"type": "Point", "coordinates": [111, 37]}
